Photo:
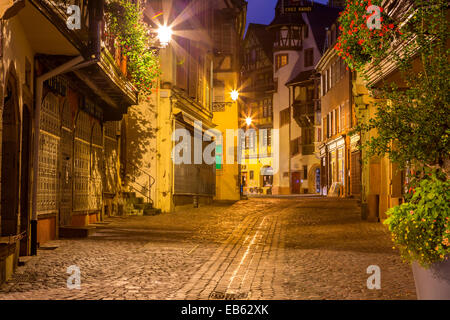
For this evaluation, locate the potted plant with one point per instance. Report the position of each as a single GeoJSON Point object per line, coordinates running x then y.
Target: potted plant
{"type": "Point", "coordinates": [421, 231]}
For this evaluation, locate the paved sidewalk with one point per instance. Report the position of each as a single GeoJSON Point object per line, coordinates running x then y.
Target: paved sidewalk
{"type": "Point", "coordinates": [298, 248]}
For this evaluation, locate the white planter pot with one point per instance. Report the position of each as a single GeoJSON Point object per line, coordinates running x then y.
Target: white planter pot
{"type": "Point", "coordinates": [433, 283]}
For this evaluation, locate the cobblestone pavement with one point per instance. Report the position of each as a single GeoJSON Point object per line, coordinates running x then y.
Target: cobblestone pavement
{"type": "Point", "coordinates": [296, 248]}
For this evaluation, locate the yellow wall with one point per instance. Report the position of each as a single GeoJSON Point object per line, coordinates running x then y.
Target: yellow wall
{"type": "Point", "coordinates": [227, 185]}
{"type": "Point", "coordinates": [378, 173]}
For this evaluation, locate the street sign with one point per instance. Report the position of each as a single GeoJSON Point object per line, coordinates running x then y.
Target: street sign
{"type": "Point", "coordinates": [297, 9]}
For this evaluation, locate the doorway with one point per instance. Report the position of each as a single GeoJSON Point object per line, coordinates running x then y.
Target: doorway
{"type": "Point", "coordinates": [296, 182]}
{"type": "Point", "coordinates": [10, 161]}
{"type": "Point", "coordinates": [65, 209]}
{"type": "Point", "coordinates": [317, 180]}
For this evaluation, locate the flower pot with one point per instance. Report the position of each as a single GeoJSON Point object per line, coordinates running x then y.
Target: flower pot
{"type": "Point", "coordinates": [433, 283]}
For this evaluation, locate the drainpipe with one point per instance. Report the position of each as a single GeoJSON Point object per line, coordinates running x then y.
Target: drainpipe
{"type": "Point", "coordinates": [290, 137]}
{"type": "Point", "coordinates": [66, 67]}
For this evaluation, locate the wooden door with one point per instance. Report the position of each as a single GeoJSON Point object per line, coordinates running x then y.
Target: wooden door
{"type": "Point", "coordinates": [296, 182]}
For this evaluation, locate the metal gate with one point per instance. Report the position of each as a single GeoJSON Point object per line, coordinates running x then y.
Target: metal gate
{"type": "Point", "coordinates": [65, 210]}
{"type": "Point", "coordinates": [49, 144]}
{"type": "Point", "coordinates": [81, 162]}
{"type": "Point", "coordinates": [95, 182]}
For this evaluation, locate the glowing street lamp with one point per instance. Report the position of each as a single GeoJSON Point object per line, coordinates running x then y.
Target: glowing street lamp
{"type": "Point", "coordinates": [164, 35]}
{"type": "Point", "coordinates": [248, 121]}
{"type": "Point", "coordinates": [234, 95]}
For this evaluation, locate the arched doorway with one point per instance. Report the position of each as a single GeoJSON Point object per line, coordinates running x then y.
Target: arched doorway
{"type": "Point", "coordinates": [10, 160]}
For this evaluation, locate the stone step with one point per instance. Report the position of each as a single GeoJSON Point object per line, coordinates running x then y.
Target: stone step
{"type": "Point", "coordinates": [152, 212]}
{"type": "Point", "coordinates": [24, 260]}
{"type": "Point", "coordinates": [143, 206]}
{"type": "Point", "coordinates": [76, 232]}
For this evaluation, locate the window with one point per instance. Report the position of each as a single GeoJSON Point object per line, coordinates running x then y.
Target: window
{"type": "Point", "coordinates": [296, 33]}
{"type": "Point", "coordinates": [338, 120]}
{"type": "Point", "coordinates": [343, 68]}
{"type": "Point", "coordinates": [306, 31]}
{"type": "Point", "coordinates": [284, 117]}
{"type": "Point", "coordinates": [267, 181]}
{"type": "Point", "coordinates": [27, 73]}
{"type": "Point", "coordinates": [307, 136]}
{"type": "Point", "coordinates": [281, 60]}
{"type": "Point", "coordinates": [305, 172]}
{"type": "Point", "coordinates": [329, 79]}
{"type": "Point", "coordinates": [252, 175]}
{"type": "Point", "coordinates": [309, 57]}
{"type": "Point", "coordinates": [295, 146]}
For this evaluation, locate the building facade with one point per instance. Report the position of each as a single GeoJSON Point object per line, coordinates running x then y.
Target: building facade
{"type": "Point", "coordinates": [63, 94]}
{"type": "Point", "coordinates": [382, 181]}
{"type": "Point", "coordinates": [199, 70]}
{"type": "Point", "coordinates": [339, 152]}
{"type": "Point", "coordinates": [256, 115]}
{"type": "Point", "coordinates": [299, 28]}
{"type": "Point", "coordinates": [228, 34]}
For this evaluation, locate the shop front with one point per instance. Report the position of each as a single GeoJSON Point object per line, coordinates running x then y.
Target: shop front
{"type": "Point", "coordinates": [336, 167]}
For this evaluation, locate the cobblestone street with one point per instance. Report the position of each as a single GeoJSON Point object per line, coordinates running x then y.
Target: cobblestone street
{"type": "Point", "coordinates": [296, 248]}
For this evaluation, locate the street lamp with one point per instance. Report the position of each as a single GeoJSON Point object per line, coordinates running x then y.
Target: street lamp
{"type": "Point", "coordinates": [164, 35]}
{"type": "Point", "coordinates": [248, 121]}
{"type": "Point", "coordinates": [234, 95]}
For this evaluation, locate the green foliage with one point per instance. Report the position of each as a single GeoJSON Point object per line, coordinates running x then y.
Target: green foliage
{"type": "Point", "coordinates": [412, 119]}
{"type": "Point", "coordinates": [125, 23]}
{"type": "Point", "coordinates": [412, 122]}
{"type": "Point", "coordinates": [357, 44]}
{"type": "Point", "coordinates": [421, 227]}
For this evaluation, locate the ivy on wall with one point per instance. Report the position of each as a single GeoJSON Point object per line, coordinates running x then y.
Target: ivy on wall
{"type": "Point", "coordinates": [125, 23]}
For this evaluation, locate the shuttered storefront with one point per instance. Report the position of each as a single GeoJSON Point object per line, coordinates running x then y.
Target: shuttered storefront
{"type": "Point", "coordinates": [194, 179]}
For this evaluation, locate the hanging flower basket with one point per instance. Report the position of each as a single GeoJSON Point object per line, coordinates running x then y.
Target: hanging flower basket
{"type": "Point", "coordinates": [360, 41]}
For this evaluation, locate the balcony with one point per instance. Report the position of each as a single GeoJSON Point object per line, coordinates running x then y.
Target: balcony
{"type": "Point", "coordinates": [56, 12]}
{"type": "Point", "coordinates": [104, 75]}
{"type": "Point", "coordinates": [304, 113]}
{"type": "Point", "coordinates": [260, 86]}
{"type": "Point", "coordinates": [308, 149]}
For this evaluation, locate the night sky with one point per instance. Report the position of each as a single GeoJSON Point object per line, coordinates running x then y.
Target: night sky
{"type": "Point", "coordinates": [263, 11]}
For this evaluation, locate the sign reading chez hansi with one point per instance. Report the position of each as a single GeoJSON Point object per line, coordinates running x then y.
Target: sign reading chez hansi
{"type": "Point", "coordinates": [297, 9]}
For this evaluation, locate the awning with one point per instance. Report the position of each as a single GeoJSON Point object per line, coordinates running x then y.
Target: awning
{"type": "Point", "coordinates": [267, 171]}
